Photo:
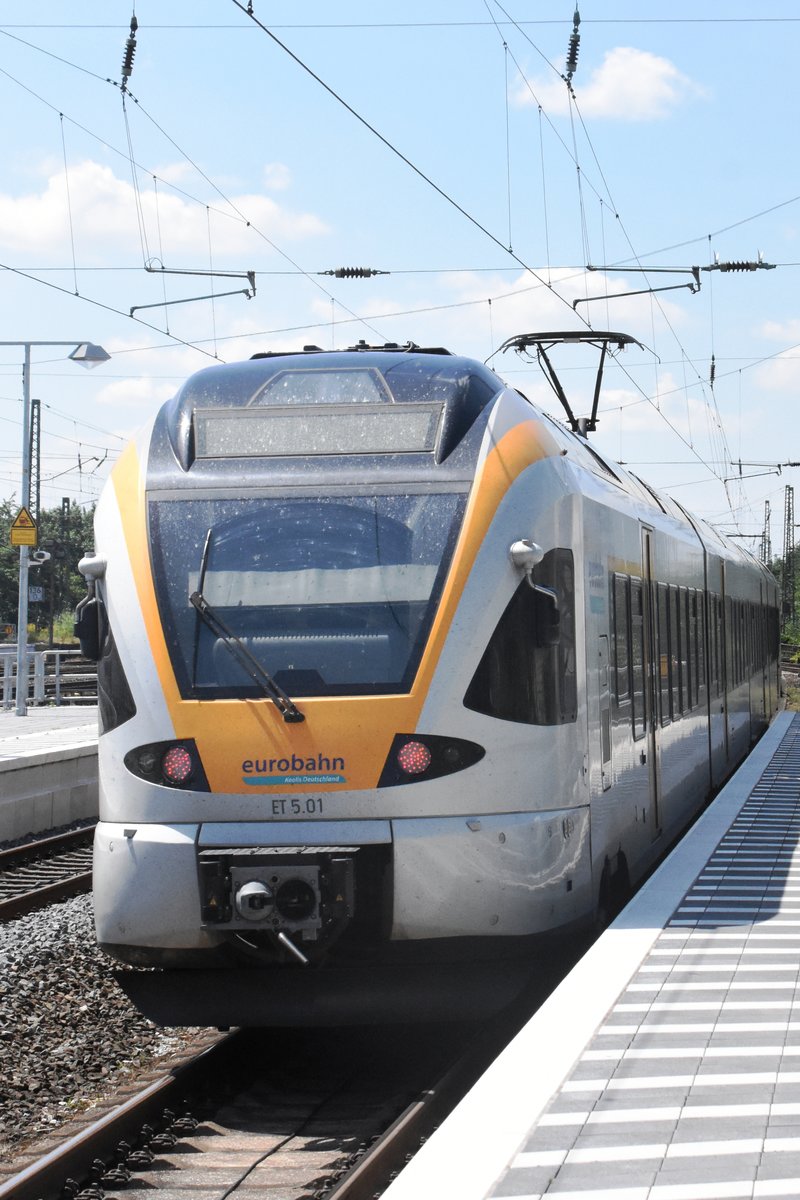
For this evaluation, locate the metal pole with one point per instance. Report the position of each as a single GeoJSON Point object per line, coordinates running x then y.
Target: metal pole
{"type": "Point", "coordinates": [22, 611]}
{"type": "Point", "coordinates": [88, 355]}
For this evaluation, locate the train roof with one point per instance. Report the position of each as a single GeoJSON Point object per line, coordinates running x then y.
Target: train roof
{"type": "Point", "coordinates": [389, 373]}
{"type": "Point", "coordinates": [461, 388]}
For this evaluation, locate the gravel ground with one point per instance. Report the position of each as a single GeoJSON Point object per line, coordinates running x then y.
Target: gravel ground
{"type": "Point", "coordinates": [68, 1035]}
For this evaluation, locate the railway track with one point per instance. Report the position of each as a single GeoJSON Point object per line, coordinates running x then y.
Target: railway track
{"type": "Point", "coordinates": [45, 870]}
{"type": "Point", "coordinates": [307, 1114]}
{"type": "Point", "coordinates": [327, 1120]}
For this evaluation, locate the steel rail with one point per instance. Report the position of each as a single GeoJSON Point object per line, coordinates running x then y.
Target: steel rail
{"type": "Point", "coordinates": [50, 893]}
{"type": "Point", "coordinates": [34, 849]}
{"type": "Point", "coordinates": [390, 1152]}
{"type": "Point", "coordinates": [45, 1178]}
{"type": "Point", "coordinates": [41, 856]}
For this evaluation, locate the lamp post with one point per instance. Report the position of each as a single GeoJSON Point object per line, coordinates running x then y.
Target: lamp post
{"type": "Point", "coordinates": [88, 355]}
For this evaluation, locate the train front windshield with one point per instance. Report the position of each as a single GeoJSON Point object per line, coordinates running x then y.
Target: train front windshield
{"type": "Point", "coordinates": [333, 595]}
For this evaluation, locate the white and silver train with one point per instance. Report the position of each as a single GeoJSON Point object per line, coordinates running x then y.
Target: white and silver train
{"type": "Point", "coordinates": [397, 674]}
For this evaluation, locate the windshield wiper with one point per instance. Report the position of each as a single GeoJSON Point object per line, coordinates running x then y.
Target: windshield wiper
{"type": "Point", "coordinates": [246, 660]}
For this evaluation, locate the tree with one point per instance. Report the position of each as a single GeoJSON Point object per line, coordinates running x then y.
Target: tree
{"type": "Point", "coordinates": [67, 534]}
{"type": "Point", "coordinates": [9, 565]}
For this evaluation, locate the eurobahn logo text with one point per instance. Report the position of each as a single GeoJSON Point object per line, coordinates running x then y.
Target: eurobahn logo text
{"type": "Point", "coordinates": [294, 771]}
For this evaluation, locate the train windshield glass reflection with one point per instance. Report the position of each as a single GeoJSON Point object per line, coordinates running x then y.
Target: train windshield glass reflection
{"type": "Point", "coordinates": [333, 595]}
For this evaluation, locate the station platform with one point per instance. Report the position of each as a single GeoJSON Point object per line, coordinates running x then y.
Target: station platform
{"type": "Point", "coordinates": [666, 1066]}
{"type": "Point", "coordinates": [48, 769]}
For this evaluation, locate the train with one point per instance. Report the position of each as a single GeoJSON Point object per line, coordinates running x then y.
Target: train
{"type": "Point", "coordinates": [400, 681]}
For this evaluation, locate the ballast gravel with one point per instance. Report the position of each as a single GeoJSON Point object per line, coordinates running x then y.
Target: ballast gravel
{"type": "Point", "coordinates": [68, 1035]}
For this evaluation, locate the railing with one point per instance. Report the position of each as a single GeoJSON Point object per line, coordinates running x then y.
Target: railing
{"type": "Point", "coordinates": [54, 677]}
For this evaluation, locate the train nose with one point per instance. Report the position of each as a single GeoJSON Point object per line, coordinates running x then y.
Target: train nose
{"type": "Point", "coordinates": [254, 900]}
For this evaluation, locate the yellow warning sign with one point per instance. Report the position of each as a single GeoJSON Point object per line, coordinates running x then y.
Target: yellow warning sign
{"type": "Point", "coordinates": [23, 529]}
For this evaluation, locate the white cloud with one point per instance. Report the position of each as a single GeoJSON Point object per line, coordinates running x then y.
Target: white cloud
{"type": "Point", "coordinates": [780, 374]}
{"type": "Point", "coordinates": [143, 393]}
{"type": "Point", "coordinates": [782, 331]}
{"type": "Point", "coordinates": [104, 215]}
{"type": "Point", "coordinates": [178, 173]}
{"type": "Point", "coordinates": [277, 177]}
{"type": "Point", "coordinates": [629, 85]}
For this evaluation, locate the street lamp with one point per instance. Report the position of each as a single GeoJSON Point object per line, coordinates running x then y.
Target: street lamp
{"type": "Point", "coordinates": [88, 355]}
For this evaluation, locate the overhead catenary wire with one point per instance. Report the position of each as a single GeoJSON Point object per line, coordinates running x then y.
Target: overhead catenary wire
{"type": "Point", "coordinates": [670, 326]}
{"type": "Point", "coordinates": [69, 203]}
{"type": "Point", "coordinates": [160, 247]}
{"type": "Point", "coordinates": [135, 182]}
{"type": "Point", "coordinates": [508, 122]}
{"type": "Point", "coordinates": [394, 149]}
{"type": "Point", "coordinates": [544, 195]}
{"type": "Point", "coordinates": [348, 25]}
{"type": "Point", "coordinates": [508, 144]}
{"type": "Point", "coordinates": [443, 307]}
{"type": "Point", "coordinates": [574, 109]}
{"type": "Point", "coordinates": [234, 212]}
{"type": "Point", "coordinates": [180, 191]}
{"type": "Point", "coordinates": [248, 223]}
{"type": "Point", "coordinates": [211, 272]}
{"type": "Point", "coordinates": [127, 68]}
{"type": "Point", "coordinates": [106, 307]}
{"type": "Point", "coordinates": [198, 343]}
{"type": "Point", "coordinates": [573, 99]}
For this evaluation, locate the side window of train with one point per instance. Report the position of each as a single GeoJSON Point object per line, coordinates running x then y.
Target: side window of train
{"type": "Point", "coordinates": [738, 641]}
{"type": "Point", "coordinates": [735, 642]}
{"type": "Point", "coordinates": [628, 641]}
{"type": "Point", "coordinates": [114, 697]}
{"type": "Point", "coordinates": [698, 619]}
{"type": "Point", "coordinates": [638, 714]}
{"type": "Point", "coordinates": [689, 698]}
{"type": "Point", "coordinates": [664, 654]}
{"type": "Point", "coordinates": [690, 602]}
{"type": "Point", "coordinates": [527, 672]}
{"type": "Point", "coordinates": [715, 643]}
{"type": "Point", "coordinates": [621, 641]}
{"type": "Point", "coordinates": [678, 652]}
{"type": "Point", "coordinates": [747, 652]}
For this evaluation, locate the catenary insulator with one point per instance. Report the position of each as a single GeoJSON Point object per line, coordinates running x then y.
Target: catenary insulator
{"type": "Point", "coordinates": [130, 51]}
{"type": "Point", "coordinates": [739, 266]}
{"type": "Point", "coordinates": [572, 54]}
{"type": "Point", "coordinates": [354, 272]}
{"type": "Point", "coordinates": [574, 46]}
{"type": "Point", "coordinates": [127, 62]}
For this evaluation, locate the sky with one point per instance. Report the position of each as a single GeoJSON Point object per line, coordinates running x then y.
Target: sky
{"type": "Point", "coordinates": [439, 144]}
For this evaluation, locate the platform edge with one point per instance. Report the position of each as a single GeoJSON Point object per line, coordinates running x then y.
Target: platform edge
{"type": "Point", "coordinates": [470, 1150]}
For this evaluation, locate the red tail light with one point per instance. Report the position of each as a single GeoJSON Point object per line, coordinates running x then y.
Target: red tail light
{"type": "Point", "coordinates": [413, 758]}
{"type": "Point", "coordinates": [177, 765]}
{"type": "Point", "coordinates": [417, 756]}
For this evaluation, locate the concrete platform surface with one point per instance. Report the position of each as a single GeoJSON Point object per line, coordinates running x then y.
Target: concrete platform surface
{"type": "Point", "coordinates": [45, 729]}
{"type": "Point", "coordinates": [666, 1066]}
{"type": "Point", "coordinates": [48, 769]}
